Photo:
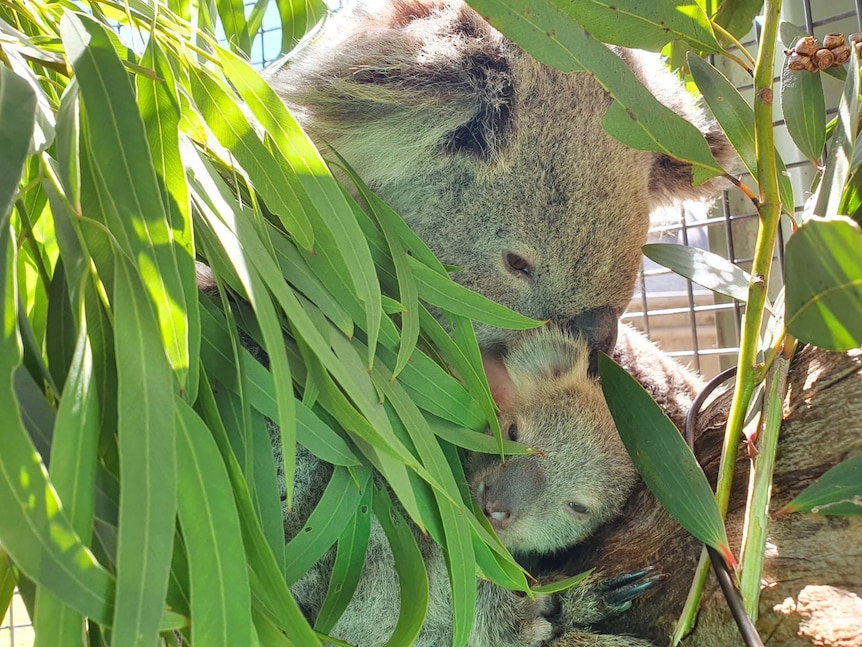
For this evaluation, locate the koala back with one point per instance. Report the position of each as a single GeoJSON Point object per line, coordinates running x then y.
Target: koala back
{"type": "Point", "coordinates": [498, 162]}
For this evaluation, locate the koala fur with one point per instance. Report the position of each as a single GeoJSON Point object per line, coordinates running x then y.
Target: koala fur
{"type": "Point", "coordinates": [499, 163]}
{"type": "Point", "coordinates": [561, 412]}
{"type": "Point", "coordinates": [812, 578]}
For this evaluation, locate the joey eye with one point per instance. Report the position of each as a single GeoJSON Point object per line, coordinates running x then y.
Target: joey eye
{"type": "Point", "coordinates": [512, 431]}
{"type": "Point", "coordinates": [518, 265]}
{"type": "Point", "coordinates": [579, 507]}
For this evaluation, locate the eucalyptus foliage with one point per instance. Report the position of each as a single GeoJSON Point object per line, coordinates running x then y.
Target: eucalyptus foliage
{"type": "Point", "coordinates": [138, 499]}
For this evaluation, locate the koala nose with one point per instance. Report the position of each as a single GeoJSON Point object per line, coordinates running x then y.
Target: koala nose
{"type": "Point", "coordinates": [599, 328]}
{"type": "Point", "coordinates": [507, 491]}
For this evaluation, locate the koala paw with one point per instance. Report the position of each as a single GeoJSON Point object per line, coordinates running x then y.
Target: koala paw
{"type": "Point", "coordinates": [536, 628]}
{"type": "Point", "coordinates": [598, 598]}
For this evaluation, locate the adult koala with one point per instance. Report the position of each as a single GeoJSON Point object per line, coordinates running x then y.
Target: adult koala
{"type": "Point", "coordinates": [498, 162]}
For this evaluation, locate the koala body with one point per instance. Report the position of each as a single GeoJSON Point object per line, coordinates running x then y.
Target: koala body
{"type": "Point", "coordinates": [538, 504]}
{"type": "Point", "coordinates": [499, 163]}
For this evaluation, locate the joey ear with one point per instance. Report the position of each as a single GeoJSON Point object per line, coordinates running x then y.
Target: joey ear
{"type": "Point", "coordinates": [670, 179]}
{"type": "Point", "coordinates": [545, 357]}
{"type": "Point", "coordinates": [387, 87]}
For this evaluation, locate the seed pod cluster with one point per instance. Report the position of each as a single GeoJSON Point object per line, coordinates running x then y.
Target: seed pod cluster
{"type": "Point", "coordinates": [810, 55]}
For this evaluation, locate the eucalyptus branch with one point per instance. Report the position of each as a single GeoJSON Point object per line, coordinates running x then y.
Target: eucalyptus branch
{"type": "Point", "coordinates": [730, 38]}
{"type": "Point", "coordinates": [760, 481]}
{"type": "Point", "coordinates": [769, 210]}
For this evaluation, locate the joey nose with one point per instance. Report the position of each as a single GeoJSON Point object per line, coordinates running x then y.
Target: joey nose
{"type": "Point", "coordinates": [506, 492]}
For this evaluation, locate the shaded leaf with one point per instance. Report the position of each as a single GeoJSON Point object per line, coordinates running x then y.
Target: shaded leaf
{"type": "Point", "coordinates": [562, 585]}
{"type": "Point", "coordinates": [823, 270]}
{"type": "Point", "coordinates": [804, 108]}
{"type": "Point", "coordinates": [710, 270]}
{"type": "Point", "coordinates": [737, 16]}
{"type": "Point", "coordinates": [837, 492]}
{"type": "Point", "coordinates": [736, 118]}
{"type": "Point", "coordinates": [220, 594]}
{"type": "Point", "coordinates": [662, 457]}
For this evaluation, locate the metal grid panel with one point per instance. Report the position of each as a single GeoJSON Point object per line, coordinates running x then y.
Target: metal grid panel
{"type": "Point", "coordinates": [687, 321]}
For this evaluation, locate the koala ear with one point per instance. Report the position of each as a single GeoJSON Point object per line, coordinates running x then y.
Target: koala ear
{"type": "Point", "coordinates": [670, 179]}
{"type": "Point", "coordinates": [393, 86]}
{"type": "Point", "coordinates": [547, 357]}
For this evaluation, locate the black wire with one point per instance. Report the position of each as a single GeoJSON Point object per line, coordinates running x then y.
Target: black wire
{"type": "Point", "coordinates": [722, 573]}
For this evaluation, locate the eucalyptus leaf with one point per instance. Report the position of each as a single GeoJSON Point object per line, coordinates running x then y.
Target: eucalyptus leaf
{"type": "Point", "coordinates": [837, 492]}
{"type": "Point", "coordinates": [662, 457]}
{"type": "Point", "coordinates": [737, 16]}
{"type": "Point", "coordinates": [702, 267]}
{"type": "Point", "coordinates": [17, 120]}
{"type": "Point", "coordinates": [823, 269]}
{"type": "Point", "coordinates": [643, 25]}
{"type": "Point", "coordinates": [804, 108]}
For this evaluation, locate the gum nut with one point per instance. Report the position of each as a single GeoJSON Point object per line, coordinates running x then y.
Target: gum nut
{"type": "Point", "coordinates": [823, 58]}
{"type": "Point", "coordinates": [842, 54]}
{"type": "Point", "coordinates": [855, 36]}
{"type": "Point", "coordinates": [806, 45]}
{"type": "Point", "coordinates": [797, 61]}
{"type": "Point", "coordinates": [831, 41]}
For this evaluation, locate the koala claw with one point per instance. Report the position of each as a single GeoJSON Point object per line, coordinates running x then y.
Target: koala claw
{"type": "Point", "coordinates": [621, 590]}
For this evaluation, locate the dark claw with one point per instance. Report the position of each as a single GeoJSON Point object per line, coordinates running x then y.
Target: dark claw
{"type": "Point", "coordinates": [621, 590]}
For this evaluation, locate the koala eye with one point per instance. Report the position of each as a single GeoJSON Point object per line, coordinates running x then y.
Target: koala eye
{"type": "Point", "coordinates": [512, 431]}
{"type": "Point", "coordinates": [518, 265]}
{"type": "Point", "coordinates": [579, 508]}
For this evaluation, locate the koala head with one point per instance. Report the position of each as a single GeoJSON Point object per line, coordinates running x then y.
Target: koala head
{"type": "Point", "coordinates": [582, 474]}
{"type": "Point", "coordinates": [499, 163]}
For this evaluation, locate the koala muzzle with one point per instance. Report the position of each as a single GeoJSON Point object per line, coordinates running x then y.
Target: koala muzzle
{"type": "Point", "coordinates": [599, 328]}
{"type": "Point", "coordinates": [506, 490]}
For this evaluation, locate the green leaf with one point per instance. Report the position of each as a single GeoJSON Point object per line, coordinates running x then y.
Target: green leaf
{"type": "Point", "coordinates": [823, 270]}
{"type": "Point", "coordinates": [662, 457]}
{"type": "Point", "coordinates": [636, 118]}
{"type": "Point", "coordinates": [562, 585]}
{"type": "Point", "coordinates": [297, 19]}
{"type": "Point", "coordinates": [336, 508]}
{"type": "Point", "coordinates": [737, 16]}
{"type": "Point", "coordinates": [412, 575]}
{"type": "Point", "coordinates": [73, 472]}
{"type": "Point", "coordinates": [704, 268]}
{"type": "Point", "coordinates": [349, 560]}
{"type": "Point", "coordinates": [232, 15]}
{"type": "Point", "coordinates": [804, 109]}
{"type": "Point", "coordinates": [220, 594]}
{"type": "Point", "coordinates": [147, 447]}
{"type": "Point", "coordinates": [736, 118]}
{"type": "Point", "coordinates": [444, 293]}
{"type": "Point", "coordinates": [838, 159]}
{"type": "Point", "coordinates": [17, 120]}
{"type": "Point", "coordinates": [125, 177]}
{"type": "Point", "coordinates": [279, 190]}
{"type": "Point", "coordinates": [33, 528]}
{"type": "Point", "coordinates": [837, 492]}
{"type": "Point", "coordinates": [643, 25]}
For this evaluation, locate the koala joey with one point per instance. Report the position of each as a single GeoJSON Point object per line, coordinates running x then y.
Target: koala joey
{"type": "Point", "coordinates": [537, 504]}
{"type": "Point", "coordinates": [499, 163]}
{"type": "Point", "coordinates": [580, 476]}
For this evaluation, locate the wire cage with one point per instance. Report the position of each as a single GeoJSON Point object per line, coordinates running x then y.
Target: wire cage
{"type": "Point", "coordinates": [694, 325]}
{"type": "Point", "coordinates": [691, 323]}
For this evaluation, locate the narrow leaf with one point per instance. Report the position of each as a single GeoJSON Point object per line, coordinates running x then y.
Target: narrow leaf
{"type": "Point", "coordinates": [804, 108]}
{"type": "Point", "coordinates": [830, 495]}
{"type": "Point", "coordinates": [147, 447]}
{"type": "Point", "coordinates": [662, 457]}
{"type": "Point", "coordinates": [710, 270]}
{"type": "Point", "coordinates": [823, 269]}
{"type": "Point", "coordinates": [220, 593]}
{"type": "Point", "coordinates": [17, 120]}
{"type": "Point", "coordinates": [297, 19]}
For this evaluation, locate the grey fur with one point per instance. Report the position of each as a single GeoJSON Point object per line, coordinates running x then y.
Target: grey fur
{"type": "Point", "coordinates": [563, 415]}
{"type": "Point", "coordinates": [486, 153]}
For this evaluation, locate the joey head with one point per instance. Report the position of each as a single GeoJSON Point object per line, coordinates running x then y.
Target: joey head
{"type": "Point", "coordinates": [581, 474]}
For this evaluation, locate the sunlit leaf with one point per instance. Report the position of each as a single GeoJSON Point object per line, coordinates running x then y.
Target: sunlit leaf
{"type": "Point", "coordinates": [643, 25]}
{"type": "Point", "coordinates": [737, 16]}
{"type": "Point", "coordinates": [823, 269]}
{"type": "Point", "coordinates": [702, 267]}
{"type": "Point", "coordinates": [17, 119]}
{"type": "Point", "coordinates": [297, 18]}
